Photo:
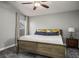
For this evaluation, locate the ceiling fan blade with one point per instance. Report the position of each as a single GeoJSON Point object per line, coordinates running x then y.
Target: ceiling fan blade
{"type": "Point", "coordinates": [27, 3]}
{"type": "Point", "coordinates": [44, 5]}
{"type": "Point", "coordinates": [43, 1]}
{"type": "Point", "coordinates": [34, 8]}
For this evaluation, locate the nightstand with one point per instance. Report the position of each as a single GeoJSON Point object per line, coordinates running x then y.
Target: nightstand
{"type": "Point", "coordinates": [72, 43]}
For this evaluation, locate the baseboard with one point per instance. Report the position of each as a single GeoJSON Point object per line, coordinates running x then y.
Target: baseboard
{"type": "Point", "coordinates": [1, 49]}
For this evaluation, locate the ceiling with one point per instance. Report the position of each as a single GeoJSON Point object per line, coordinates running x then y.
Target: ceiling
{"type": "Point", "coordinates": [54, 7]}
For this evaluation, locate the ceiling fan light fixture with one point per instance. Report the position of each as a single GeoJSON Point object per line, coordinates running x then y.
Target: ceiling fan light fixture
{"type": "Point", "coordinates": [37, 4]}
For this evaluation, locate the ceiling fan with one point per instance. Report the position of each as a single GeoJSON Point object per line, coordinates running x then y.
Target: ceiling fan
{"type": "Point", "coordinates": [37, 4]}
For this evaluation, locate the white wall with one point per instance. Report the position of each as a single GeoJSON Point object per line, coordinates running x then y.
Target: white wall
{"type": "Point", "coordinates": [60, 20]}
{"type": "Point", "coordinates": [7, 24]}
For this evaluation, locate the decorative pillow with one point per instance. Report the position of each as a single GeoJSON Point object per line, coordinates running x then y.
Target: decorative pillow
{"type": "Point", "coordinates": [48, 30]}
{"type": "Point", "coordinates": [41, 30]}
{"type": "Point", "coordinates": [52, 33]}
{"type": "Point", "coordinates": [55, 30]}
{"type": "Point", "coordinates": [40, 33]}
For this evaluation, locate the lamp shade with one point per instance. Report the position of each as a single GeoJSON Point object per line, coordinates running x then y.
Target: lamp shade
{"type": "Point", "coordinates": [71, 29]}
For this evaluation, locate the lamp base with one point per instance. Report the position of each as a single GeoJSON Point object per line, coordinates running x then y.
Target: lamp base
{"type": "Point", "coordinates": [71, 35]}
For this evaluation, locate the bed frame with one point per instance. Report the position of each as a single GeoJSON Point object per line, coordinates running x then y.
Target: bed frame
{"type": "Point", "coordinates": [46, 49]}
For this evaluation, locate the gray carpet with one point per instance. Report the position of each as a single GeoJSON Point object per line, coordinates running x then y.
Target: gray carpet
{"type": "Point", "coordinates": [11, 53]}
{"type": "Point", "coordinates": [72, 53]}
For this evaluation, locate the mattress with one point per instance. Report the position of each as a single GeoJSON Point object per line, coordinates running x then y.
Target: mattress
{"type": "Point", "coordinates": [44, 39]}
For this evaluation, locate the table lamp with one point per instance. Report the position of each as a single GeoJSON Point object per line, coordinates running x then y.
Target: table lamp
{"type": "Point", "coordinates": [71, 30]}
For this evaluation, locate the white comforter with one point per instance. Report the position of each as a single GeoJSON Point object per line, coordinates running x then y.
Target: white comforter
{"type": "Point", "coordinates": [44, 39]}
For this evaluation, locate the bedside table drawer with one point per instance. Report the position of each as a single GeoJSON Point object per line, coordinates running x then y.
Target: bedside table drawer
{"type": "Point", "coordinates": [73, 43]}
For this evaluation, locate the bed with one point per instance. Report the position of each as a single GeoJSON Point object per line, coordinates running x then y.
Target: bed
{"type": "Point", "coordinates": [47, 45]}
